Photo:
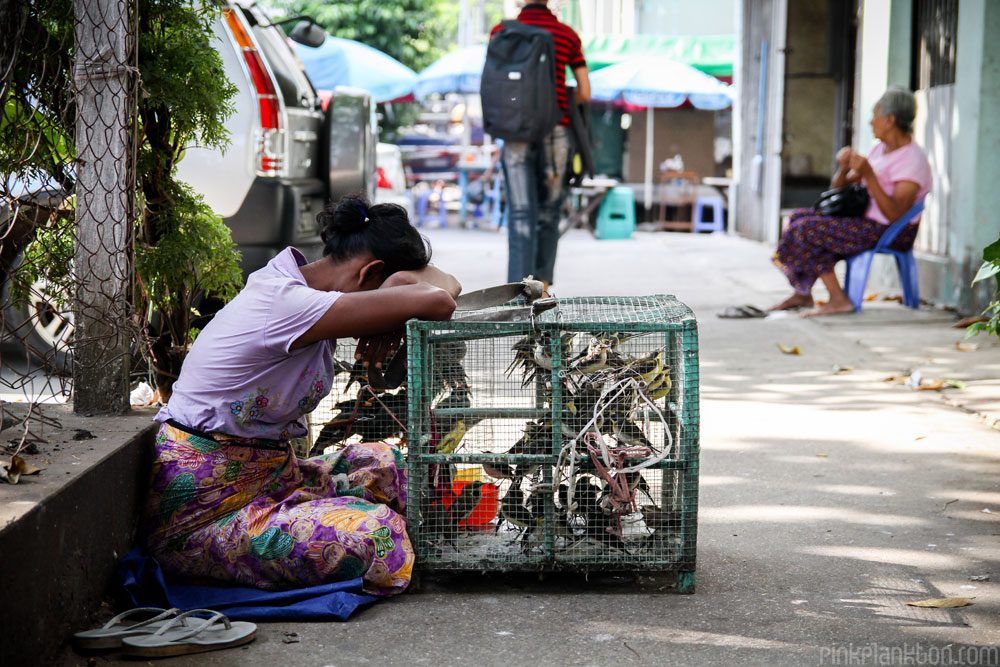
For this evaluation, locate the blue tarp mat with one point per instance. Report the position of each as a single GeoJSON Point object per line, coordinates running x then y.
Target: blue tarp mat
{"type": "Point", "coordinates": [144, 585]}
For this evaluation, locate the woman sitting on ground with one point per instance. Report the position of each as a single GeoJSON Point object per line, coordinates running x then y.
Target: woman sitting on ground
{"type": "Point", "coordinates": [230, 502]}
{"type": "Point", "coordinates": [896, 174]}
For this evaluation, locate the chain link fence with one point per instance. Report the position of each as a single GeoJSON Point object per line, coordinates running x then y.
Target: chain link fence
{"type": "Point", "coordinates": [68, 91]}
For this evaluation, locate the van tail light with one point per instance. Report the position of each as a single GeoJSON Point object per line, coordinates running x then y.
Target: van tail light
{"type": "Point", "coordinates": [383, 182]}
{"type": "Point", "coordinates": [270, 149]}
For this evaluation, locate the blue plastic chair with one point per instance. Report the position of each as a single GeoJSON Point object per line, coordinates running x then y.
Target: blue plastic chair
{"type": "Point", "coordinates": [859, 265]}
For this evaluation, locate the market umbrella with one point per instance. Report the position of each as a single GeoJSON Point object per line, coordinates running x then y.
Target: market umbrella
{"type": "Point", "coordinates": [657, 82]}
{"type": "Point", "coordinates": [455, 72]}
{"type": "Point", "coordinates": [344, 62]}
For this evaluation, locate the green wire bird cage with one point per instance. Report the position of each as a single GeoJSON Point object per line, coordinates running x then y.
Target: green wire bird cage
{"type": "Point", "coordinates": [562, 440]}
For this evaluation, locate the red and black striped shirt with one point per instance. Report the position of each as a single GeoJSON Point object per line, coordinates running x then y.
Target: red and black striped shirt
{"type": "Point", "coordinates": [569, 51]}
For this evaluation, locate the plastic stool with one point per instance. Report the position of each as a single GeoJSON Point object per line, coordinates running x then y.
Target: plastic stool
{"type": "Point", "coordinates": [616, 216]}
{"type": "Point", "coordinates": [422, 201]}
{"type": "Point", "coordinates": [698, 222]}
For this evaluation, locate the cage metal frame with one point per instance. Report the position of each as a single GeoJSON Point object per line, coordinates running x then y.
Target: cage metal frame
{"type": "Point", "coordinates": [679, 328]}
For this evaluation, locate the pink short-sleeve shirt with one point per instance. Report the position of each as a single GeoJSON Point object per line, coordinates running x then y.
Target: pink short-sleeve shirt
{"type": "Point", "coordinates": [906, 163]}
{"type": "Point", "coordinates": [240, 377]}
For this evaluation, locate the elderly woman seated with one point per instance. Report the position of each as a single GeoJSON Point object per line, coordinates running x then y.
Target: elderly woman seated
{"type": "Point", "coordinates": [895, 173]}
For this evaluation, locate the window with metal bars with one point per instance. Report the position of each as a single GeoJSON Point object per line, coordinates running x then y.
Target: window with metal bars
{"type": "Point", "coordinates": [935, 44]}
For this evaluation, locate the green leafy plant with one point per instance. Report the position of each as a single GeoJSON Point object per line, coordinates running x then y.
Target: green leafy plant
{"type": "Point", "coordinates": [38, 115]}
{"type": "Point", "coordinates": [183, 251]}
{"type": "Point", "coordinates": [47, 262]}
{"type": "Point", "coordinates": [989, 269]}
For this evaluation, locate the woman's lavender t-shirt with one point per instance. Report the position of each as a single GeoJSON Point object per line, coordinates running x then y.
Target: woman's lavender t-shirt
{"type": "Point", "coordinates": [240, 378]}
{"type": "Point", "coordinates": [906, 163]}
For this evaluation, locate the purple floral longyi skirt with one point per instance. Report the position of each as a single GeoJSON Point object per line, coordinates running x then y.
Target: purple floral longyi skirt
{"type": "Point", "coordinates": [812, 244]}
{"type": "Point", "coordinates": [251, 513]}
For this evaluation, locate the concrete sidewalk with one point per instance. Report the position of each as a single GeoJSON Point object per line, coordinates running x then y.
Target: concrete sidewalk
{"type": "Point", "coordinates": [830, 497]}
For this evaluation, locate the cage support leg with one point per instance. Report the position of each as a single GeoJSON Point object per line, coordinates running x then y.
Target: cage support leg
{"type": "Point", "coordinates": [685, 583]}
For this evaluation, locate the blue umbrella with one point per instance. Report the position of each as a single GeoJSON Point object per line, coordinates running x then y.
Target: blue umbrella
{"type": "Point", "coordinates": [344, 62]}
{"type": "Point", "coordinates": [455, 72]}
{"type": "Point", "coordinates": [657, 82]}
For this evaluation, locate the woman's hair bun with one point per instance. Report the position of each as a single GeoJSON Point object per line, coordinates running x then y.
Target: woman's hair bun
{"type": "Point", "coordinates": [354, 226]}
{"type": "Point", "coordinates": [349, 217]}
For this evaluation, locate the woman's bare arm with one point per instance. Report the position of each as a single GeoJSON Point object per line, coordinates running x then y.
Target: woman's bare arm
{"type": "Point", "coordinates": [428, 294]}
{"type": "Point", "coordinates": [893, 206]}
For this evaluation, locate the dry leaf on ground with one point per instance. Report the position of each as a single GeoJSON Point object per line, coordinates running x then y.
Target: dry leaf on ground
{"type": "Point", "coordinates": [896, 297]}
{"type": "Point", "coordinates": [790, 349]}
{"type": "Point", "coordinates": [930, 385]}
{"type": "Point", "coordinates": [966, 347]}
{"type": "Point", "coordinates": [966, 321]}
{"type": "Point", "coordinates": [942, 603]}
{"type": "Point", "coordinates": [11, 471]}
{"type": "Point", "coordinates": [871, 297]}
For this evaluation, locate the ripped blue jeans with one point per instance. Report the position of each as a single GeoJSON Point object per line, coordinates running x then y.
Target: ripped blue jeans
{"type": "Point", "coordinates": [534, 175]}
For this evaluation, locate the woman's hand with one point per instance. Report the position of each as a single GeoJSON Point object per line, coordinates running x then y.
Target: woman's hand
{"type": "Point", "coordinates": [844, 174]}
{"type": "Point", "coordinates": [859, 164]}
{"type": "Point", "coordinates": [844, 156]}
{"type": "Point", "coordinates": [373, 350]}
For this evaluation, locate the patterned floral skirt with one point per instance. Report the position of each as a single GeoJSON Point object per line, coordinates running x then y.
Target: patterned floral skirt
{"type": "Point", "coordinates": [812, 244]}
{"type": "Point", "coordinates": [249, 512]}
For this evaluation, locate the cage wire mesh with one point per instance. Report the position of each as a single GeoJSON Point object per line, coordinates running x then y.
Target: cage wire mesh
{"type": "Point", "coordinates": [62, 162]}
{"type": "Point", "coordinates": [568, 441]}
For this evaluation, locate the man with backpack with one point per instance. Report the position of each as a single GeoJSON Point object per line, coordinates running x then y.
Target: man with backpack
{"type": "Point", "coordinates": [525, 102]}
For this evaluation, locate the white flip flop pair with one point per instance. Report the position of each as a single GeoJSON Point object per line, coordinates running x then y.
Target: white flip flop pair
{"type": "Point", "coordinates": [167, 633]}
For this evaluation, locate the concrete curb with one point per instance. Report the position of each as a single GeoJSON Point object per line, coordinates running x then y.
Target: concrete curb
{"type": "Point", "coordinates": [62, 539]}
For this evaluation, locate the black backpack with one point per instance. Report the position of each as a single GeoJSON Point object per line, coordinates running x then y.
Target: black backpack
{"type": "Point", "coordinates": [518, 87]}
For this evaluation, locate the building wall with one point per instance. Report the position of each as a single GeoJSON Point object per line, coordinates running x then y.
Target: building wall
{"type": "Point", "coordinates": [682, 17]}
{"type": "Point", "coordinates": [810, 92]}
{"type": "Point", "coordinates": [649, 17]}
{"type": "Point", "coordinates": [883, 60]}
{"type": "Point", "coordinates": [684, 132]}
{"type": "Point", "coordinates": [975, 200]}
{"type": "Point", "coordinates": [959, 127]}
{"type": "Point", "coordinates": [761, 108]}
{"type": "Point", "coordinates": [613, 17]}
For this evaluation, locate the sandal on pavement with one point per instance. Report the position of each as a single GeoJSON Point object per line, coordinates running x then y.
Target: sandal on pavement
{"type": "Point", "coordinates": [110, 634]}
{"type": "Point", "coordinates": [179, 638]}
{"type": "Point", "coordinates": [742, 312]}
